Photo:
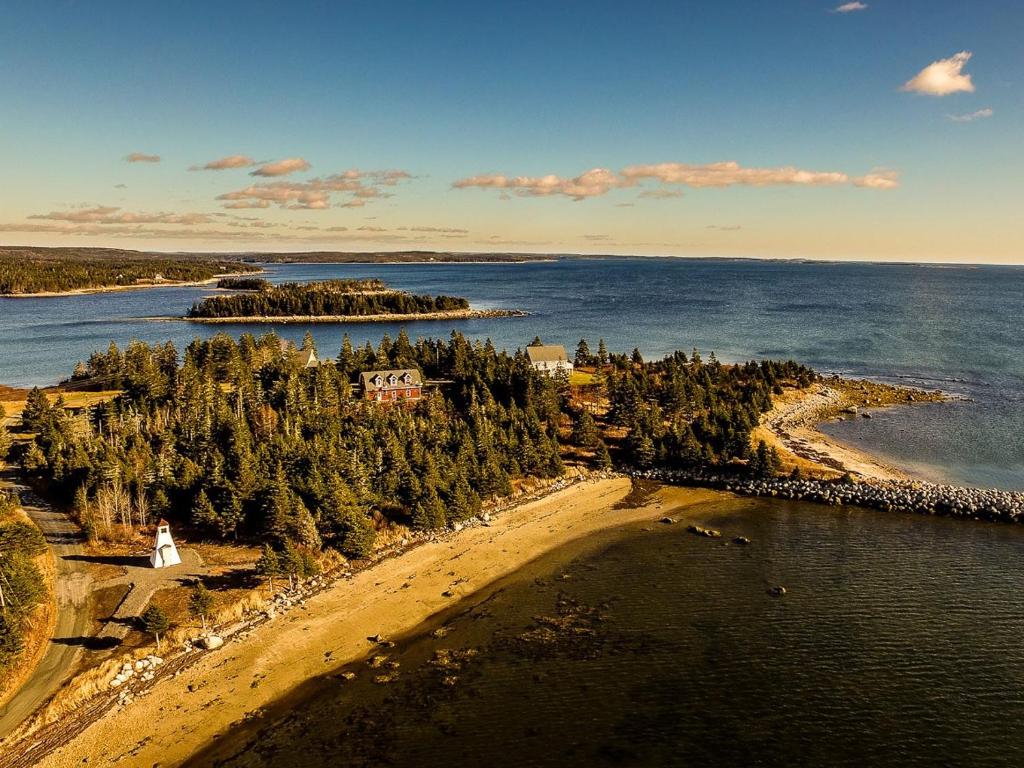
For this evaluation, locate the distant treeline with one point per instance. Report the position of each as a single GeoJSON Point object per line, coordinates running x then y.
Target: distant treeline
{"type": "Point", "coordinates": [390, 257]}
{"type": "Point", "coordinates": [52, 271]}
{"type": "Point", "coordinates": [328, 298]}
{"type": "Point", "coordinates": [243, 284]}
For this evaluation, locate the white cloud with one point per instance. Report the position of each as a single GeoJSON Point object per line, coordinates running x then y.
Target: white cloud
{"type": "Point", "coordinates": [600, 181]}
{"type": "Point", "coordinates": [879, 178]}
{"type": "Point", "coordinates": [730, 173]}
{"type": "Point", "coordinates": [282, 167]}
{"type": "Point", "coordinates": [224, 163]}
{"type": "Point", "coordinates": [317, 194]}
{"type": "Point", "coordinates": [113, 215]}
{"type": "Point", "coordinates": [850, 7]}
{"type": "Point", "coordinates": [943, 77]}
{"type": "Point", "coordinates": [970, 117]}
{"type": "Point", "coordinates": [592, 183]}
{"type": "Point", "coordinates": [141, 157]}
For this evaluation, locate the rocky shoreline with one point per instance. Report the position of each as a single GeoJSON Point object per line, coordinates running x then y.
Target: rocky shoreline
{"type": "Point", "coordinates": [906, 496]}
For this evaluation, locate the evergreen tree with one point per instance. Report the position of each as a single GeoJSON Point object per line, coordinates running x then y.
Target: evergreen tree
{"type": "Point", "coordinates": [37, 410]}
{"type": "Point", "coordinates": [200, 602]}
{"type": "Point", "coordinates": [155, 622]}
{"type": "Point", "coordinates": [583, 356]}
{"type": "Point", "coordinates": [602, 352]}
{"type": "Point", "coordinates": [11, 643]}
{"type": "Point", "coordinates": [269, 564]}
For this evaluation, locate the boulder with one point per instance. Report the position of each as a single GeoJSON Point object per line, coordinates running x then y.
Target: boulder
{"type": "Point", "coordinates": [212, 642]}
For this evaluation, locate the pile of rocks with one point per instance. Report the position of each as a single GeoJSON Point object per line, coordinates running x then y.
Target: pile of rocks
{"type": "Point", "coordinates": [144, 668]}
{"type": "Point", "coordinates": [887, 495]}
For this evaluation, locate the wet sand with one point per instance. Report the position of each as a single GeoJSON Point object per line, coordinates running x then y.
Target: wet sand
{"type": "Point", "coordinates": [182, 715]}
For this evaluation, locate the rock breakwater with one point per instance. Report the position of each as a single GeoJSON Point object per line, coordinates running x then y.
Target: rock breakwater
{"type": "Point", "coordinates": [911, 496]}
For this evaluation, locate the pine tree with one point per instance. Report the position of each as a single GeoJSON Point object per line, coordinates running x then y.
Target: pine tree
{"type": "Point", "coordinates": [37, 410]}
{"type": "Point", "coordinates": [583, 355]}
{"type": "Point", "coordinates": [269, 564]}
{"type": "Point", "coordinates": [291, 563]}
{"type": "Point", "coordinates": [155, 622]}
{"type": "Point", "coordinates": [602, 352]}
{"type": "Point", "coordinates": [11, 643]}
{"type": "Point", "coordinates": [200, 602]}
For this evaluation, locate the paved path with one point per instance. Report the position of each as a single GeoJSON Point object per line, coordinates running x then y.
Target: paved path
{"type": "Point", "coordinates": [73, 585]}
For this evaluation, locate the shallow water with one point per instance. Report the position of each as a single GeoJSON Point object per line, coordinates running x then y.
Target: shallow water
{"type": "Point", "coordinates": [959, 329]}
{"type": "Point", "coordinates": [897, 643]}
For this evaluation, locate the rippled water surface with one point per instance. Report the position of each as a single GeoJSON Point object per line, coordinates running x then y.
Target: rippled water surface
{"type": "Point", "coordinates": [955, 328]}
{"type": "Point", "coordinates": [897, 643]}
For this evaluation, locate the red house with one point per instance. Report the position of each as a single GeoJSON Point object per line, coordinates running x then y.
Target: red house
{"type": "Point", "coordinates": [389, 386]}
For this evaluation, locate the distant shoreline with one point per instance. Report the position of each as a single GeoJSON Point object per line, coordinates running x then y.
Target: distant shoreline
{"type": "Point", "coordinates": [135, 287]}
{"type": "Point", "coordinates": [453, 314]}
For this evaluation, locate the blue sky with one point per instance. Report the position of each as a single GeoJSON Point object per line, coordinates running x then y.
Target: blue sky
{"type": "Point", "coordinates": [499, 96]}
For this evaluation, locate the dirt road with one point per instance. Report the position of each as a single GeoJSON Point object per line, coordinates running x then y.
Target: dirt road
{"type": "Point", "coordinates": [72, 587]}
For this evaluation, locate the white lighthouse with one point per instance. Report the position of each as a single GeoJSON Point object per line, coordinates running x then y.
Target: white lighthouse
{"type": "Point", "coordinates": [165, 554]}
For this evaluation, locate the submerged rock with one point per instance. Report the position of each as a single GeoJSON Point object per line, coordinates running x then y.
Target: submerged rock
{"type": "Point", "coordinates": [777, 591]}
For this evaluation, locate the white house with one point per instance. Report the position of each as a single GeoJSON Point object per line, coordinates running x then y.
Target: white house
{"type": "Point", "coordinates": [549, 358]}
{"type": "Point", "coordinates": [165, 554]}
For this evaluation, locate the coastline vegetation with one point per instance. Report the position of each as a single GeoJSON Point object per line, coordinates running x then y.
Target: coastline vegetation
{"type": "Point", "coordinates": [243, 284]}
{"type": "Point", "coordinates": [343, 298]}
{"type": "Point", "coordinates": [30, 271]}
{"type": "Point", "coordinates": [238, 440]}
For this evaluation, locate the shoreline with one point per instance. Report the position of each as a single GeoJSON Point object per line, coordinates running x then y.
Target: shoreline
{"type": "Point", "coordinates": [202, 701]}
{"type": "Point", "coordinates": [118, 288]}
{"type": "Point", "coordinates": [454, 314]}
{"type": "Point", "coordinates": [792, 425]}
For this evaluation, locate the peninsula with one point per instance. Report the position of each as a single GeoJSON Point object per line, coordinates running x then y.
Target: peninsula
{"type": "Point", "coordinates": [45, 272]}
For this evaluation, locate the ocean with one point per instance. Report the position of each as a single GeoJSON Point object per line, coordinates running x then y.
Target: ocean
{"type": "Point", "coordinates": [649, 646]}
{"type": "Point", "coordinates": [897, 643]}
{"type": "Point", "coordinates": [955, 328]}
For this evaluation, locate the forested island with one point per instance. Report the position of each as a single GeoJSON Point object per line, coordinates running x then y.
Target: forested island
{"type": "Point", "coordinates": [329, 300]}
{"type": "Point", "coordinates": [39, 271]}
{"type": "Point", "coordinates": [243, 284]}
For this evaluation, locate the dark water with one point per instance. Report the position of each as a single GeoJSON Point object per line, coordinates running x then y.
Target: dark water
{"type": "Point", "coordinates": [955, 328]}
{"type": "Point", "coordinates": [898, 643]}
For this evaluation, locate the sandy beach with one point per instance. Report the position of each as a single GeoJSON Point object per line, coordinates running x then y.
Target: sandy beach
{"type": "Point", "coordinates": [183, 713]}
{"type": "Point", "coordinates": [792, 425]}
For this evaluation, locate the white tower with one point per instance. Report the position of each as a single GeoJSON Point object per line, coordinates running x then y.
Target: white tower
{"type": "Point", "coordinates": [165, 554]}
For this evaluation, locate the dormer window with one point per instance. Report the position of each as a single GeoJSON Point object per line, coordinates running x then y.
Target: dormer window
{"type": "Point", "coordinates": [407, 378]}
{"type": "Point", "coordinates": [377, 380]}
{"type": "Point", "coordinates": [392, 379]}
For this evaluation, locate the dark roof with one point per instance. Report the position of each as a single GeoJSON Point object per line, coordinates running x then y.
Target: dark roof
{"type": "Point", "coordinates": [366, 378]}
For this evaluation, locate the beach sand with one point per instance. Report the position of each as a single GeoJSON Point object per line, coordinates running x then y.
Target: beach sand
{"type": "Point", "coordinates": [792, 426]}
{"type": "Point", "coordinates": [182, 714]}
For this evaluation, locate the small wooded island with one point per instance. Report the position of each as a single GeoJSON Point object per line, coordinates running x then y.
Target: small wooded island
{"type": "Point", "coordinates": [329, 301]}
{"type": "Point", "coordinates": [55, 272]}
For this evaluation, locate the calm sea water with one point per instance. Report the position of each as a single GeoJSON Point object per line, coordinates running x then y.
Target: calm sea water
{"type": "Point", "coordinates": [663, 649]}
{"type": "Point", "coordinates": [955, 328]}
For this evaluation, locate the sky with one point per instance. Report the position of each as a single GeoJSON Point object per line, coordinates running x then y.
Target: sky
{"type": "Point", "coordinates": [876, 130]}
